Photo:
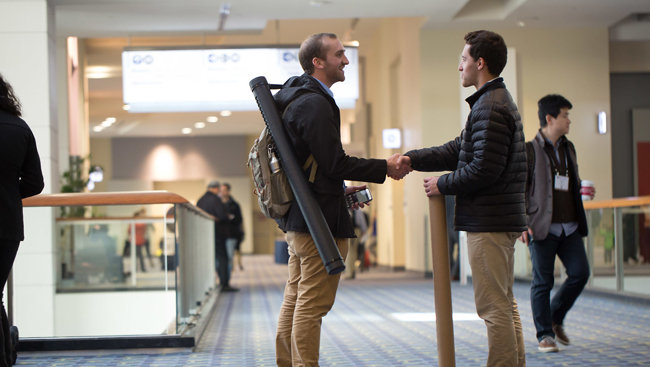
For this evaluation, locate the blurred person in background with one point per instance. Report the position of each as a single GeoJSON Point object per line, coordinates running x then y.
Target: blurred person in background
{"type": "Point", "coordinates": [235, 231]}
{"type": "Point", "coordinates": [20, 177]}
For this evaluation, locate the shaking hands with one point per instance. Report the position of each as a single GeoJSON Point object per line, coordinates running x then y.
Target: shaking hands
{"type": "Point", "coordinates": [398, 166]}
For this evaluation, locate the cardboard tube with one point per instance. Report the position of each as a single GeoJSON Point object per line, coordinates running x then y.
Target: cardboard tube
{"type": "Point", "coordinates": [441, 282]}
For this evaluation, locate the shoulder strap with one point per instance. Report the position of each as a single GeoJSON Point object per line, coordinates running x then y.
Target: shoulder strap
{"type": "Point", "coordinates": [310, 160]}
{"type": "Point", "coordinates": [530, 159]}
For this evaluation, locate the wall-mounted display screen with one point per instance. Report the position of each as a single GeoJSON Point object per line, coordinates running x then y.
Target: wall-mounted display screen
{"type": "Point", "coordinates": [193, 80]}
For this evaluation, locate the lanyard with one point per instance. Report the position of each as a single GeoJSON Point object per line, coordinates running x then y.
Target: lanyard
{"type": "Point", "coordinates": [555, 163]}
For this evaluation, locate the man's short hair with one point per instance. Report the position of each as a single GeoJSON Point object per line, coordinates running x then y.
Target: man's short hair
{"type": "Point", "coordinates": [227, 185]}
{"type": "Point", "coordinates": [491, 47]}
{"type": "Point", "coordinates": [214, 184]}
{"type": "Point", "coordinates": [312, 47]}
{"type": "Point", "coordinates": [552, 105]}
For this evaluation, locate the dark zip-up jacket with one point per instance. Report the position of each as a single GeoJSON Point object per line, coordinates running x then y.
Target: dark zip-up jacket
{"type": "Point", "coordinates": [20, 174]}
{"type": "Point", "coordinates": [488, 161]}
{"type": "Point", "coordinates": [313, 124]}
{"type": "Point", "coordinates": [211, 203]}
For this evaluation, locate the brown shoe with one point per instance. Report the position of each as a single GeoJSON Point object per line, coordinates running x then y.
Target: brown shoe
{"type": "Point", "coordinates": [560, 336]}
{"type": "Point", "coordinates": [547, 345]}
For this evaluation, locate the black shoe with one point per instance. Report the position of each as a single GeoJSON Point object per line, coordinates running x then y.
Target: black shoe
{"type": "Point", "coordinates": [13, 334]}
{"type": "Point", "coordinates": [229, 289]}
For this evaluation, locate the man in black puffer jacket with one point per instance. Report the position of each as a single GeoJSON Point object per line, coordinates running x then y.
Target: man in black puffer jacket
{"type": "Point", "coordinates": [488, 164]}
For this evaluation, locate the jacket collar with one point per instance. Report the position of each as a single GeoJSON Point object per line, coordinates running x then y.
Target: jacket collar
{"type": "Point", "coordinates": [491, 85]}
{"type": "Point", "coordinates": [542, 139]}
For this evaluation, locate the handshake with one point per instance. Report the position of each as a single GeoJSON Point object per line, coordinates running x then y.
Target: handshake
{"type": "Point", "coordinates": [398, 166]}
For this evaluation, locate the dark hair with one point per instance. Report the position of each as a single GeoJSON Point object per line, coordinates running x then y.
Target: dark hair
{"type": "Point", "coordinates": [8, 100]}
{"type": "Point", "coordinates": [313, 47]}
{"type": "Point", "coordinates": [227, 185]}
{"type": "Point", "coordinates": [551, 105]}
{"type": "Point", "coordinates": [491, 47]}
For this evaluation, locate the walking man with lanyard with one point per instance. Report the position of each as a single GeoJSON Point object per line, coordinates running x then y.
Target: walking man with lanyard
{"type": "Point", "coordinates": [556, 221]}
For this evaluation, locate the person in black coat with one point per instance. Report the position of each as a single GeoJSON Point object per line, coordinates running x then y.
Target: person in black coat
{"type": "Point", "coordinates": [211, 203]}
{"type": "Point", "coordinates": [235, 229]}
{"type": "Point", "coordinates": [20, 177]}
{"type": "Point", "coordinates": [488, 164]}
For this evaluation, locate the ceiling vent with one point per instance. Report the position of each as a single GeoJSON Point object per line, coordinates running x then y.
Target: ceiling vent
{"type": "Point", "coordinates": [488, 9]}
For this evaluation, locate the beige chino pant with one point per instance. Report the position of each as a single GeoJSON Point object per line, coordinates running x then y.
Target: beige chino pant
{"type": "Point", "coordinates": [308, 296]}
{"type": "Point", "coordinates": [491, 257]}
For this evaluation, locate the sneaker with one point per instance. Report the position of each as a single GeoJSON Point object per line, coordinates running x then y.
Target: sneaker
{"type": "Point", "coordinates": [560, 336]}
{"type": "Point", "coordinates": [547, 345]}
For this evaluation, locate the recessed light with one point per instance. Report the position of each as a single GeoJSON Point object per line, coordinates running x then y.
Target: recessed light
{"type": "Point", "coordinates": [111, 120]}
{"type": "Point", "coordinates": [521, 24]}
{"type": "Point", "coordinates": [126, 107]}
{"type": "Point", "coordinates": [199, 125]}
{"type": "Point", "coordinates": [186, 130]}
{"type": "Point", "coordinates": [97, 129]}
{"type": "Point", "coordinates": [318, 3]}
{"type": "Point", "coordinates": [212, 119]}
{"type": "Point", "coordinates": [226, 113]}
{"type": "Point", "coordinates": [106, 123]}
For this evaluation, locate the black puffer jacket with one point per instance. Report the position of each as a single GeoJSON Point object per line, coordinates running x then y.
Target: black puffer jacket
{"type": "Point", "coordinates": [488, 162]}
{"type": "Point", "coordinates": [313, 123]}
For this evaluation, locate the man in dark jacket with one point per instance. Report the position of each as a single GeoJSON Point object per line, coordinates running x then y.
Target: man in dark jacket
{"type": "Point", "coordinates": [211, 203]}
{"type": "Point", "coordinates": [20, 177]}
{"type": "Point", "coordinates": [488, 161]}
{"type": "Point", "coordinates": [313, 123]}
{"type": "Point", "coordinates": [556, 222]}
{"type": "Point", "coordinates": [235, 232]}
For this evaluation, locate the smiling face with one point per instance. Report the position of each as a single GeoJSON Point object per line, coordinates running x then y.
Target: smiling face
{"type": "Point", "coordinates": [469, 69]}
{"type": "Point", "coordinates": [331, 68]}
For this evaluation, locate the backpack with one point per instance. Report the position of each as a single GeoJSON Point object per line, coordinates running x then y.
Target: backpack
{"type": "Point", "coordinates": [274, 194]}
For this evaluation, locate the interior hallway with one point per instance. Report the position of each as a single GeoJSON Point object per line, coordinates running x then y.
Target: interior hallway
{"type": "Point", "coordinates": [367, 327]}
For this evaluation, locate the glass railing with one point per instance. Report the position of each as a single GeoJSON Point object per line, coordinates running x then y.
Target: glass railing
{"type": "Point", "coordinates": [626, 267]}
{"type": "Point", "coordinates": [120, 273]}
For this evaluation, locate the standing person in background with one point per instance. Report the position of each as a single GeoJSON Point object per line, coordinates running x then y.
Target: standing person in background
{"type": "Point", "coordinates": [488, 164]}
{"type": "Point", "coordinates": [556, 222]}
{"type": "Point", "coordinates": [211, 203]}
{"type": "Point", "coordinates": [235, 220]}
{"type": "Point", "coordinates": [20, 177]}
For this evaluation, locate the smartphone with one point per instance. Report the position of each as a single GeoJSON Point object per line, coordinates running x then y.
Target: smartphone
{"type": "Point", "coordinates": [364, 197]}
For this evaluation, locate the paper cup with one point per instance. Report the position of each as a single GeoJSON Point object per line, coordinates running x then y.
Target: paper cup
{"type": "Point", "coordinates": [587, 190]}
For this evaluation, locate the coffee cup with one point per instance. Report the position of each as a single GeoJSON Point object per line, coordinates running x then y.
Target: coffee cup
{"type": "Point", "coordinates": [587, 190]}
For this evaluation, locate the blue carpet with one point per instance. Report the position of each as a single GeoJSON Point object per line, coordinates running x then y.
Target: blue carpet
{"type": "Point", "coordinates": [366, 327]}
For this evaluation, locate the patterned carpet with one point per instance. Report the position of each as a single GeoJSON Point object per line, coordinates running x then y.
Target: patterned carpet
{"type": "Point", "coordinates": [384, 319]}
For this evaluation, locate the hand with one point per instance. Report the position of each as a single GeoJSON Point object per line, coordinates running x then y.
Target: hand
{"type": "Point", "coordinates": [350, 190]}
{"type": "Point", "coordinates": [398, 167]}
{"type": "Point", "coordinates": [526, 236]}
{"type": "Point", "coordinates": [431, 186]}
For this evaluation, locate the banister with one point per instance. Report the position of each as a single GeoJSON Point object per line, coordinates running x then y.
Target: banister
{"type": "Point", "coordinates": [112, 198]}
{"type": "Point", "coordinates": [617, 203]}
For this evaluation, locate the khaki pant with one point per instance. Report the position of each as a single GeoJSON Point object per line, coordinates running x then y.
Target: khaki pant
{"type": "Point", "coordinates": [308, 296]}
{"type": "Point", "coordinates": [491, 257]}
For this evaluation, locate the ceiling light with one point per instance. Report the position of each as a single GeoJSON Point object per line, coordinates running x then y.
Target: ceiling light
{"type": "Point", "coordinates": [226, 113]}
{"type": "Point", "coordinates": [199, 125]}
{"type": "Point", "coordinates": [106, 123]}
{"type": "Point", "coordinates": [126, 107]}
{"type": "Point", "coordinates": [212, 119]}
{"type": "Point", "coordinates": [186, 130]}
{"type": "Point", "coordinates": [318, 3]}
{"type": "Point", "coordinates": [521, 24]}
{"type": "Point", "coordinates": [97, 129]}
{"type": "Point", "coordinates": [111, 120]}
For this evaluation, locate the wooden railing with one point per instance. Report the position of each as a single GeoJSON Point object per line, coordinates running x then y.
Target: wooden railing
{"type": "Point", "coordinates": [617, 203]}
{"type": "Point", "coordinates": [112, 198]}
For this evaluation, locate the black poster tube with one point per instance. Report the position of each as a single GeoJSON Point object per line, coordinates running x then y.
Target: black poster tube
{"type": "Point", "coordinates": [320, 232]}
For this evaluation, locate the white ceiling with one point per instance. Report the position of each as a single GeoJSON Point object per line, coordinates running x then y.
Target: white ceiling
{"type": "Point", "coordinates": [112, 24]}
